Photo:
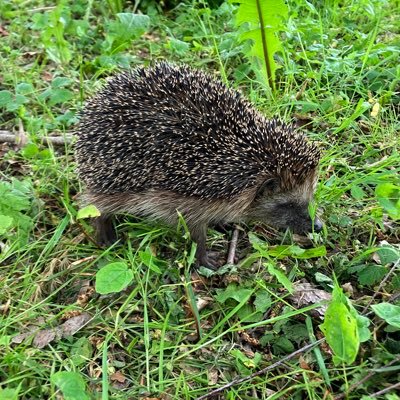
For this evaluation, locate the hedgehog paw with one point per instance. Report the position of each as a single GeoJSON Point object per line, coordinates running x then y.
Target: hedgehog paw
{"type": "Point", "coordinates": [105, 232]}
{"type": "Point", "coordinates": [210, 260]}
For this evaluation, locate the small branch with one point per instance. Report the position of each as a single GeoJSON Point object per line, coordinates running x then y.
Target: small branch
{"type": "Point", "coordinates": [232, 247]}
{"type": "Point", "coordinates": [9, 137]}
{"type": "Point", "coordinates": [386, 390]}
{"type": "Point", "coordinates": [263, 371]}
{"type": "Point", "coordinates": [363, 380]}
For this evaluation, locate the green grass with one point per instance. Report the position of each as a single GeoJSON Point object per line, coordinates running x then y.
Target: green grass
{"type": "Point", "coordinates": [338, 65]}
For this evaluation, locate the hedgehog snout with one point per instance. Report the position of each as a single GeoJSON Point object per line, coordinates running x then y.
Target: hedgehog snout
{"type": "Point", "coordinates": [286, 213]}
{"type": "Point", "coordinates": [318, 225]}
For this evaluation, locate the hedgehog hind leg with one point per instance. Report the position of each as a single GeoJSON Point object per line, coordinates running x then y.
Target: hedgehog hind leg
{"type": "Point", "coordinates": [204, 257]}
{"type": "Point", "coordinates": [105, 231]}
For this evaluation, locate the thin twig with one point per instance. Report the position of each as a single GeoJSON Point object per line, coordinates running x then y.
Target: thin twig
{"type": "Point", "coordinates": [232, 247]}
{"type": "Point", "coordinates": [9, 137]}
{"type": "Point", "coordinates": [366, 378]}
{"type": "Point", "coordinates": [263, 371]}
{"type": "Point", "coordinates": [365, 309]}
{"type": "Point", "coordinates": [386, 390]}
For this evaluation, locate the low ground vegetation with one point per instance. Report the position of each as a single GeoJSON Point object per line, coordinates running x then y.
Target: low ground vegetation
{"type": "Point", "coordinates": [156, 329]}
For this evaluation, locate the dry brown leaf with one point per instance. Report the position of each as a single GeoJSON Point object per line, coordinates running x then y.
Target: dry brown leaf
{"type": "Point", "coordinates": [212, 377]}
{"type": "Point", "coordinates": [45, 336]}
{"type": "Point", "coordinates": [305, 294]}
{"type": "Point", "coordinates": [73, 325]}
{"type": "Point", "coordinates": [118, 377]}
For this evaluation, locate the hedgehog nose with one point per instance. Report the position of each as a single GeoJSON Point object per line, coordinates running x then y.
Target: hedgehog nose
{"type": "Point", "coordinates": [318, 225]}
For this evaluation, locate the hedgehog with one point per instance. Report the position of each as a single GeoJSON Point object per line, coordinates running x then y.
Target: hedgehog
{"type": "Point", "coordinates": [155, 141]}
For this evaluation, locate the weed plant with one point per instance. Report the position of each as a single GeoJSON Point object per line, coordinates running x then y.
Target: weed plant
{"type": "Point", "coordinates": [339, 79]}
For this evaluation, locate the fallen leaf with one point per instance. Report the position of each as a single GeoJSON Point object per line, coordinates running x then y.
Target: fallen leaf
{"type": "Point", "coordinates": [118, 377]}
{"type": "Point", "coordinates": [304, 294]}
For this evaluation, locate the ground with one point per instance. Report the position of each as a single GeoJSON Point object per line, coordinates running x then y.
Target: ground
{"type": "Point", "coordinates": [148, 326]}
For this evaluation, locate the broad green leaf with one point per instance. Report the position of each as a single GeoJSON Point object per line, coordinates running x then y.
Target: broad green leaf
{"type": "Point", "coordinates": [24, 88]}
{"type": "Point", "coordinates": [371, 274]}
{"type": "Point", "coordinates": [389, 312]}
{"type": "Point", "coordinates": [81, 351]}
{"type": "Point", "coordinates": [128, 27]}
{"type": "Point", "coordinates": [233, 292]}
{"type": "Point", "coordinates": [388, 196]}
{"type": "Point", "coordinates": [264, 20]}
{"type": "Point", "coordinates": [6, 97]}
{"type": "Point", "coordinates": [60, 82]}
{"type": "Point", "coordinates": [6, 223]}
{"type": "Point", "coordinates": [134, 24]}
{"type": "Point", "coordinates": [89, 211]}
{"type": "Point", "coordinates": [113, 278]}
{"type": "Point", "coordinates": [262, 301]}
{"type": "Point", "coordinates": [60, 96]}
{"type": "Point", "coordinates": [388, 254]}
{"type": "Point", "coordinates": [280, 276]}
{"type": "Point", "coordinates": [340, 328]}
{"type": "Point", "coordinates": [30, 150]}
{"type": "Point", "coordinates": [71, 384]}
{"type": "Point", "coordinates": [9, 394]}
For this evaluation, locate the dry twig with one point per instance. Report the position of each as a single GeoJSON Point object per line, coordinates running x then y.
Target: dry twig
{"type": "Point", "coordinates": [263, 371]}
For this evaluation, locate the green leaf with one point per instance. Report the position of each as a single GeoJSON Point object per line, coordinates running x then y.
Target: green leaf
{"type": "Point", "coordinates": [264, 20]}
{"type": "Point", "coordinates": [89, 211]}
{"type": "Point", "coordinates": [60, 96]}
{"type": "Point", "coordinates": [357, 192]}
{"type": "Point", "coordinates": [280, 276]}
{"type": "Point", "coordinates": [388, 196]}
{"type": "Point", "coordinates": [371, 274]}
{"type": "Point", "coordinates": [24, 88]}
{"type": "Point", "coordinates": [128, 27]}
{"type": "Point", "coordinates": [81, 351]}
{"type": "Point", "coordinates": [262, 301]}
{"type": "Point", "coordinates": [6, 97]}
{"type": "Point", "coordinates": [6, 223]}
{"type": "Point", "coordinates": [71, 385]}
{"type": "Point", "coordinates": [388, 312]}
{"type": "Point", "coordinates": [340, 328]}
{"type": "Point", "coordinates": [283, 251]}
{"type": "Point", "coordinates": [388, 254]}
{"type": "Point", "coordinates": [9, 394]}
{"type": "Point", "coordinates": [113, 278]}
{"type": "Point", "coordinates": [361, 107]}
{"type": "Point", "coordinates": [178, 46]}
{"type": "Point", "coordinates": [147, 258]}
{"type": "Point", "coordinates": [30, 150]}
{"type": "Point", "coordinates": [233, 292]}
{"type": "Point", "coordinates": [134, 24]}
{"type": "Point", "coordinates": [60, 82]}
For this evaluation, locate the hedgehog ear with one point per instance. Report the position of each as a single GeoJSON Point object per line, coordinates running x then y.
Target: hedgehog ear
{"type": "Point", "coordinates": [269, 186]}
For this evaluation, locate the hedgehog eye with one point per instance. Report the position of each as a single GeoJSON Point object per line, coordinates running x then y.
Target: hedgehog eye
{"type": "Point", "coordinates": [269, 186]}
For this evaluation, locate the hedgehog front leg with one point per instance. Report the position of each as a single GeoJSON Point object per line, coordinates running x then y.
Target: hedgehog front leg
{"type": "Point", "coordinates": [104, 228]}
{"type": "Point", "coordinates": [198, 234]}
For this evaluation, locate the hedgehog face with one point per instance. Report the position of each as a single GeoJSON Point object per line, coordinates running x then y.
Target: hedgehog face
{"type": "Point", "coordinates": [286, 208]}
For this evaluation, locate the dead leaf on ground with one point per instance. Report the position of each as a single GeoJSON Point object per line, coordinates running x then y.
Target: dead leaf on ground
{"type": "Point", "coordinates": [73, 325]}
{"type": "Point", "coordinates": [118, 377]}
{"type": "Point", "coordinates": [42, 337]}
{"type": "Point", "coordinates": [212, 377]}
{"type": "Point", "coordinates": [305, 294]}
